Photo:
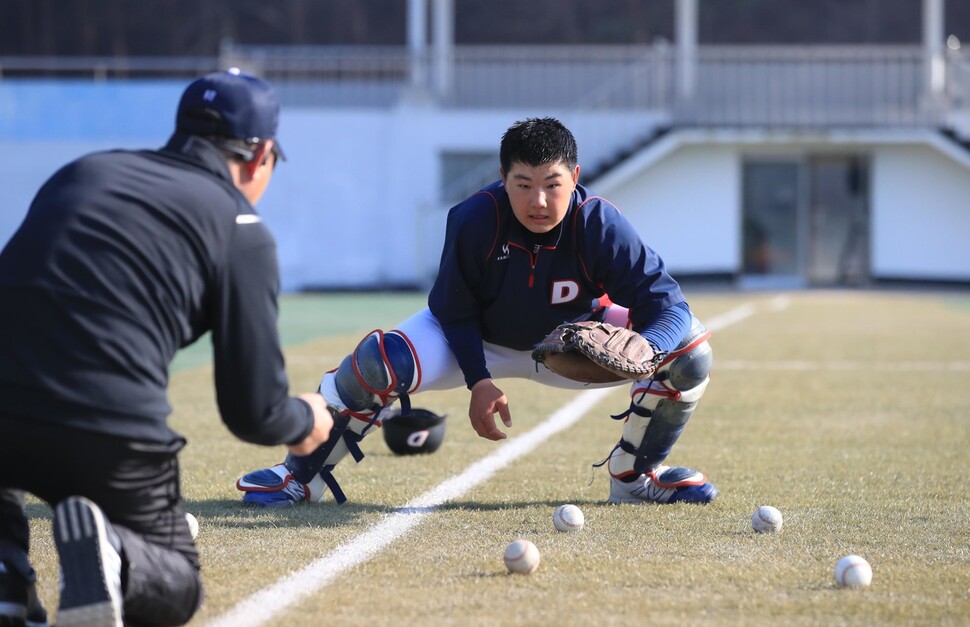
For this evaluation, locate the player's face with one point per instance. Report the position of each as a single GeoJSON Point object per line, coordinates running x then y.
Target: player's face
{"type": "Point", "coordinates": [540, 195]}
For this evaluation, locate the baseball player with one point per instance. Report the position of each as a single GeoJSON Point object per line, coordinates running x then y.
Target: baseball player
{"type": "Point", "coordinates": [520, 257]}
{"type": "Point", "coordinates": [123, 258]}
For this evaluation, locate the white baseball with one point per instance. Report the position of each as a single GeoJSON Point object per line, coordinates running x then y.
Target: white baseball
{"type": "Point", "coordinates": [766, 519]}
{"type": "Point", "coordinates": [521, 556]}
{"type": "Point", "coordinates": [193, 524]}
{"type": "Point", "coordinates": [568, 518]}
{"type": "Point", "coordinates": [853, 571]}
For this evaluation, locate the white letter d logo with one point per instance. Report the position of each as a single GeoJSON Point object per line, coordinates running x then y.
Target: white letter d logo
{"type": "Point", "coordinates": [564, 291]}
{"type": "Point", "coordinates": [418, 438]}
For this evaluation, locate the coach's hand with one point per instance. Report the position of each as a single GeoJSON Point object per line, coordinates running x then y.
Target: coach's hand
{"type": "Point", "coordinates": [322, 425]}
{"type": "Point", "coordinates": [488, 400]}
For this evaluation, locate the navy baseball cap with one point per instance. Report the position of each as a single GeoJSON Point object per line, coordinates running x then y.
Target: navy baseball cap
{"type": "Point", "coordinates": [231, 104]}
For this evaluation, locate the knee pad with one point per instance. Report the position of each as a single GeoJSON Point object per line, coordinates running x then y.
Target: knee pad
{"type": "Point", "coordinates": [381, 369]}
{"type": "Point", "coordinates": [662, 406]}
{"type": "Point", "coordinates": [690, 364]}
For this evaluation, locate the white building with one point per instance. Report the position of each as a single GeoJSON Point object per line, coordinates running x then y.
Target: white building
{"type": "Point", "coordinates": [772, 166]}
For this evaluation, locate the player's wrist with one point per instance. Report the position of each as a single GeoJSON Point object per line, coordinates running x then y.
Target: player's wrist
{"type": "Point", "coordinates": [474, 379]}
{"type": "Point", "coordinates": [479, 383]}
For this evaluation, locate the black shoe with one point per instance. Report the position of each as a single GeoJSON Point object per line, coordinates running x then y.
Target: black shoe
{"type": "Point", "coordinates": [19, 605]}
{"type": "Point", "coordinates": [36, 614]}
{"type": "Point", "coordinates": [13, 597]}
{"type": "Point", "coordinates": [90, 566]}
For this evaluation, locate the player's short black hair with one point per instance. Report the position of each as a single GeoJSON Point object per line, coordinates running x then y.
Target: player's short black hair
{"type": "Point", "coordinates": [536, 141]}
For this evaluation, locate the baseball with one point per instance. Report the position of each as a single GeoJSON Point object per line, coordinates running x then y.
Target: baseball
{"type": "Point", "coordinates": [568, 518]}
{"type": "Point", "coordinates": [766, 519]}
{"type": "Point", "coordinates": [521, 556]}
{"type": "Point", "coordinates": [193, 524]}
{"type": "Point", "coordinates": [853, 571]}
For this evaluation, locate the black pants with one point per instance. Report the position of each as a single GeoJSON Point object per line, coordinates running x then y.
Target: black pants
{"type": "Point", "coordinates": [136, 485]}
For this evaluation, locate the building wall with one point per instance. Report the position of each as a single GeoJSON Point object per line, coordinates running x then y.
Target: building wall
{"type": "Point", "coordinates": [920, 215]}
{"type": "Point", "coordinates": [687, 207]}
{"type": "Point", "coordinates": [358, 203]}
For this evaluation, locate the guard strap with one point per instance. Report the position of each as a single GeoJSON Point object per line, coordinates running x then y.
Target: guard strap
{"type": "Point", "coordinates": [331, 481]}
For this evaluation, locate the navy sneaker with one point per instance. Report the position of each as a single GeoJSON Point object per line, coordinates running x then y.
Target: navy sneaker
{"type": "Point", "coordinates": [13, 597]}
{"type": "Point", "coordinates": [665, 484]}
{"type": "Point", "coordinates": [36, 614]}
{"type": "Point", "coordinates": [90, 565]}
{"type": "Point", "coordinates": [19, 604]}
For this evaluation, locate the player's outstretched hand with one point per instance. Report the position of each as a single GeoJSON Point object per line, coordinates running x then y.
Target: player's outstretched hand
{"type": "Point", "coordinates": [488, 400]}
{"type": "Point", "coordinates": [322, 425]}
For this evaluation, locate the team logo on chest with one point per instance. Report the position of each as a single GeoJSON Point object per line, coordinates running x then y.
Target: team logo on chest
{"type": "Point", "coordinates": [563, 292]}
{"type": "Point", "coordinates": [505, 253]}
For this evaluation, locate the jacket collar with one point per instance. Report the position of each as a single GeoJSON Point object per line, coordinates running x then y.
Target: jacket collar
{"type": "Point", "coordinates": [200, 152]}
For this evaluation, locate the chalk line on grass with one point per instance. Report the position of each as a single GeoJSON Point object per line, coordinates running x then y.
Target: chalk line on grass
{"type": "Point", "coordinates": [289, 590]}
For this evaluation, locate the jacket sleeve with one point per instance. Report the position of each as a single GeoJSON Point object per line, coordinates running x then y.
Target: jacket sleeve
{"type": "Point", "coordinates": [631, 272]}
{"type": "Point", "coordinates": [669, 327]}
{"type": "Point", "coordinates": [252, 389]}
{"type": "Point", "coordinates": [454, 298]}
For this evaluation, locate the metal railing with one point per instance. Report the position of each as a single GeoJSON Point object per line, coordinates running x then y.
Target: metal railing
{"type": "Point", "coordinates": [793, 86]}
{"type": "Point", "coordinates": [103, 68]}
{"type": "Point", "coordinates": [799, 86]}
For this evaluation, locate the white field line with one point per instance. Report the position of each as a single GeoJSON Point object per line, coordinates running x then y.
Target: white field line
{"type": "Point", "coordinates": [261, 607]}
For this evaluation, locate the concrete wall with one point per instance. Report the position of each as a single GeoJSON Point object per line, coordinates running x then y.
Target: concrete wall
{"type": "Point", "coordinates": [686, 200]}
{"type": "Point", "coordinates": [358, 203]}
{"type": "Point", "coordinates": [686, 206]}
{"type": "Point", "coordinates": [920, 215]}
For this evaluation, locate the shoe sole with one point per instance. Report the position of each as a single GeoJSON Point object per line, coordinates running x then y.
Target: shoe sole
{"type": "Point", "coordinates": [87, 599]}
{"type": "Point", "coordinates": [694, 495]}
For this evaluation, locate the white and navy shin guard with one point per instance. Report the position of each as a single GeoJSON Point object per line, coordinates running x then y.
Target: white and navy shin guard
{"type": "Point", "coordinates": [661, 407]}
{"type": "Point", "coordinates": [382, 369]}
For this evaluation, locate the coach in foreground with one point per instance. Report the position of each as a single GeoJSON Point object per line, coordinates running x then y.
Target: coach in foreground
{"type": "Point", "coordinates": [124, 258]}
{"type": "Point", "coordinates": [521, 257]}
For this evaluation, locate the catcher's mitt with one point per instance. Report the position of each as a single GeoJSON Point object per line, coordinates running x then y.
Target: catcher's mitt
{"type": "Point", "coordinates": [597, 352]}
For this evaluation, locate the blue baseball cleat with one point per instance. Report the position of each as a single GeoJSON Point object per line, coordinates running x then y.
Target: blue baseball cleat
{"type": "Point", "coordinates": [665, 484]}
{"type": "Point", "coordinates": [277, 487]}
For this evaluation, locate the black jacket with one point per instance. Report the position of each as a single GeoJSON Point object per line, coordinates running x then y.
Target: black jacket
{"type": "Point", "coordinates": [123, 258]}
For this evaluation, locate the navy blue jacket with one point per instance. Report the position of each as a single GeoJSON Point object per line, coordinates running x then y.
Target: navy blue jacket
{"type": "Point", "coordinates": [123, 258]}
{"type": "Point", "coordinates": [503, 284]}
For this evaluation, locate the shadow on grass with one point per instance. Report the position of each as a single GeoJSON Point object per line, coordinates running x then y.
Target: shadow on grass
{"type": "Point", "coordinates": [480, 506]}
{"type": "Point", "coordinates": [234, 514]}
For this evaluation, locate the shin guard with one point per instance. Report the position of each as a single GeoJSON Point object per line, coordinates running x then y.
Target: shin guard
{"type": "Point", "coordinates": [662, 406]}
{"type": "Point", "coordinates": [382, 369]}
{"type": "Point", "coordinates": [315, 469]}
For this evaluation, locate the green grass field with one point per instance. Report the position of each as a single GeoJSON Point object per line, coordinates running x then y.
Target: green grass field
{"type": "Point", "coordinates": [847, 410]}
